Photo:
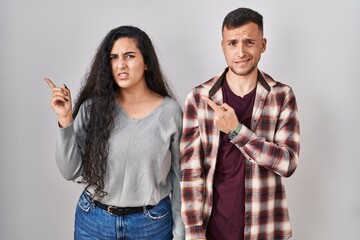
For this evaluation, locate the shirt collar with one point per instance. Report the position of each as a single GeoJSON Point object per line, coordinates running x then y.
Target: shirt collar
{"type": "Point", "coordinates": [218, 83]}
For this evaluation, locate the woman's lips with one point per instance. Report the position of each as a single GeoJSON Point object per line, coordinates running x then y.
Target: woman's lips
{"type": "Point", "coordinates": [123, 75]}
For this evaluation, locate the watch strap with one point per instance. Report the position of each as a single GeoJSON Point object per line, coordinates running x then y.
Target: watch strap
{"type": "Point", "coordinates": [235, 132]}
{"type": "Point", "coordinates": [238, 128]}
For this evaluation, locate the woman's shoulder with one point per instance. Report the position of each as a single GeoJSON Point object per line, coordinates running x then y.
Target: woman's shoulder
{"type": "Point", "coordinates": [172, 104]}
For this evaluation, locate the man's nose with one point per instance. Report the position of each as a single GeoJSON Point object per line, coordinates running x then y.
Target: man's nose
{"type": "Point", "coordinates": [240, 49]}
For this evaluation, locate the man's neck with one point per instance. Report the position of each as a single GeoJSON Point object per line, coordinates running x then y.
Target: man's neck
{"type": "Point", "coordinates": [241, 85]}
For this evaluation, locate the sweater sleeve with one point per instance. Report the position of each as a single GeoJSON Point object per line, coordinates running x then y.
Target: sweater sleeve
{"type": "Point", "coordinates": [178, 228]}
{"type": "Point", "coordinates": [70, 145]}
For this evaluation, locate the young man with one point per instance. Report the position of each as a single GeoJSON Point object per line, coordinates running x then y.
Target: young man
{"type": "Point", "coordinates": [240, 138]}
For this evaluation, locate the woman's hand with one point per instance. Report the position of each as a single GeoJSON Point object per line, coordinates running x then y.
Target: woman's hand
{"type": "Point", "coordinates": [61, 103]}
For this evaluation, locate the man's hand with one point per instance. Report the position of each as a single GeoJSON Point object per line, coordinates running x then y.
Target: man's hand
{"type": "Point", "coordinates": [225, 118]}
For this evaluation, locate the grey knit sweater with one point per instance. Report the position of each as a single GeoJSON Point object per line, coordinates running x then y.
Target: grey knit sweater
{"type": "Point", "coordinates": [143, 161]}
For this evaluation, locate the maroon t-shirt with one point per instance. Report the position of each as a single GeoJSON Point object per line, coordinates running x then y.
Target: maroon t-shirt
{"type": "Point", "coordinates": [227, 216]}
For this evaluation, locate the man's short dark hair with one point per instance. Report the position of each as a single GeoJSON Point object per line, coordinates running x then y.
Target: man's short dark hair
{"type": "Point", "coordinates": [241, 16]}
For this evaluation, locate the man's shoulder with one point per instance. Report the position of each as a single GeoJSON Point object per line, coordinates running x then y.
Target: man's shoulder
{"type": "Point", "coordinates": [206, 85]}
{"type": "Point", "coordinates": [274, 83]}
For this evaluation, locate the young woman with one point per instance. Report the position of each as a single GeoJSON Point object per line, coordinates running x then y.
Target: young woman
{"type": "Point", "coordinates": [122, 142]}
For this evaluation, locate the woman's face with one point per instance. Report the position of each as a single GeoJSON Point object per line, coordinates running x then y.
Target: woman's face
{"type": "Point", "coordinates": [127, 63]}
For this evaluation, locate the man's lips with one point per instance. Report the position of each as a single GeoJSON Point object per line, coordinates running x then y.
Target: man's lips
{"type": "Point", "coordinates": [242, 61]}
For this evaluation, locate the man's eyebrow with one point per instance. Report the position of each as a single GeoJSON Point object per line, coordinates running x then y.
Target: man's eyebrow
{"type": "Point", "coordinates": [249, 39]}
{"type": "Point", "coordinates": [232, 40]}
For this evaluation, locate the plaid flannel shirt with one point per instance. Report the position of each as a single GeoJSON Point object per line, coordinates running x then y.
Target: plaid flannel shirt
{"type": "Point", "coordinates": [271, 147]}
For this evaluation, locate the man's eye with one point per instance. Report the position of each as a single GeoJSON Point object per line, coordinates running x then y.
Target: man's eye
{"type": "Point", "coordinates": [129, 56]}
{"type": "Point", "coordinates": [250, 43]}
{"type": "Point", "coordinates": [112, 57]}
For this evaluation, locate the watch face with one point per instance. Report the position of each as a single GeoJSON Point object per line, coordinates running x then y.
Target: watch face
{"type": "Point", "coordinates": [232, 134]}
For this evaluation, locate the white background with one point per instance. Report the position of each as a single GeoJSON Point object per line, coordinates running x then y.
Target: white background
{"type": "Point", "coordinates": [312, 45]}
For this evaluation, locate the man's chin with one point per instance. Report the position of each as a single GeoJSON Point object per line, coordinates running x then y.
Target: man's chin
{"type": "Point", "coordinates": [243, 71]}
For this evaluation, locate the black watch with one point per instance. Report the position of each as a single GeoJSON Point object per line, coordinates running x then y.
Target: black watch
{"type": "Point", "coordinates": [235, 132]}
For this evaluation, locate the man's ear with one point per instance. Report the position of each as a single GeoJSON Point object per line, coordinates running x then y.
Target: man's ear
{"type": "Point", "coordinates": [263, 45]}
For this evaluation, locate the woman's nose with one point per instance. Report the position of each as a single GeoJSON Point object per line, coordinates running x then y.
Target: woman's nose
{"type": "Point", "coordinates": [121, 64]}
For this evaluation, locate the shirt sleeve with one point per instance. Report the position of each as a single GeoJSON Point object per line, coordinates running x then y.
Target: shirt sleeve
{"type": "Point", "coordinates": [280, 154]}
{"type": "Point", "coordinates": [70, 145]}
{"type": "Point", "coordinates": [192, 184]}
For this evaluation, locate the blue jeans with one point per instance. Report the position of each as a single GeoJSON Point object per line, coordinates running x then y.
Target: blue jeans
{"type": "Point", "coordinates": [92, 222]}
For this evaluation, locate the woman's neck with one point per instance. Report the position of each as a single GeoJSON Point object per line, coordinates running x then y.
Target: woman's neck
{"type": "Point", "coordinates": [133, 97]}
{"type": "Point", "coordinates": [138, 104]}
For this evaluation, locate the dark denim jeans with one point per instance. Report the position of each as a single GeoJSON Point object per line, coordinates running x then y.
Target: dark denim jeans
{"type": "Point", "coordinates": [93, 223]}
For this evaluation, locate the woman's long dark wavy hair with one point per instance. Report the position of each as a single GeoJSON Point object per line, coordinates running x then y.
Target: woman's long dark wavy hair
{"type": "Point", "coordinates": [100, 88]}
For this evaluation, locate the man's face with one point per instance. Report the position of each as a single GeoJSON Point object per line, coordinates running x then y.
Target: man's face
{"type": "Point", "coordinates": [242, 48]}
